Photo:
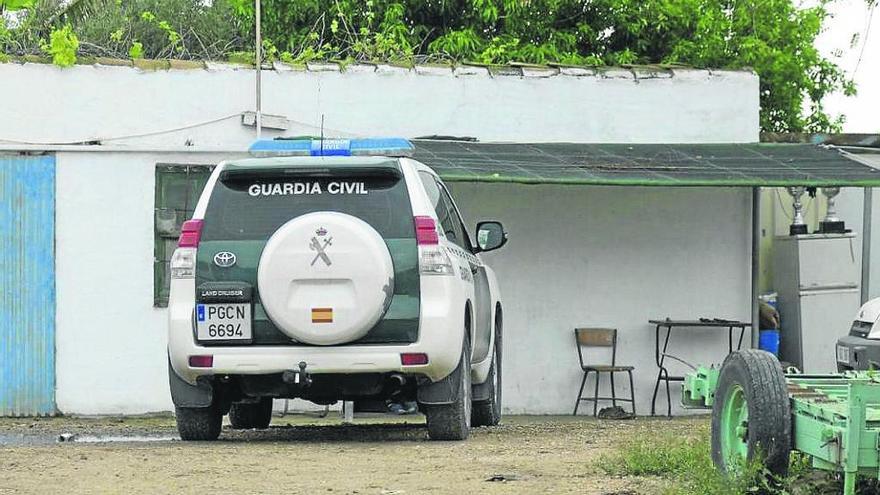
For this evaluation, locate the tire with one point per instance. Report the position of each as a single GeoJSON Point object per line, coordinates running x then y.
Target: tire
{"type": "Point", "coordinates": [488, 412]}
{"type": "Point", "coordinates": [257, 415]}
{"type": "Point", "coordinates": [453, 421]}
{"type": "Point", "coordinates": [751, 416]}
{"type": "Point", "coordinates": [199, 423]}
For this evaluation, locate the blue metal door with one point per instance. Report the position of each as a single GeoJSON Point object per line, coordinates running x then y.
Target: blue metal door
{"type": "Point", "coordinates": [27, 285]}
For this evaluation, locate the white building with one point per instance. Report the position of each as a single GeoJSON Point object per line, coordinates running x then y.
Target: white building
{"type": "Point", "coordinates": [578, 256]}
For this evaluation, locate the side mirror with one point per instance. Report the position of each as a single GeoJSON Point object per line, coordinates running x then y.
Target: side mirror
{"type": "Point", "coordinates": [490, 236]}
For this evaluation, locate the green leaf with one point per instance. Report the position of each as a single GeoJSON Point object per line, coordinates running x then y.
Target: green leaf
{"type": "Point", "coordinates": [63, 45]}
{"type": "Point", "coordinates": [136, 51]}
{"type": "Point", "coordinates": [16, 4]}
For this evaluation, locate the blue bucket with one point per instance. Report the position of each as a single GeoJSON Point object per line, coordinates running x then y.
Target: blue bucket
{"type": "Point", "coordinates": [769, 341]}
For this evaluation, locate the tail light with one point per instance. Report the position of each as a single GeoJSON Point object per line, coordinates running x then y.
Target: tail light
{"type": "Point", "coordinates": [201, 361]}
{"type": "Point", "coordinates": [183, 261]}
{"type": "Point", "coordinates": [433, 259]}
{"type": "Point", "coordinates": [426, 231]}
{"type": "Point", "coordinates": [413, 359]}
{"type": "Point", "coordinates": [190, 233]}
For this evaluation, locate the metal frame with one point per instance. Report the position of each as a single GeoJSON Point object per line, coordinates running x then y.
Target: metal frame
{"type": "Point", "coordinates": [835, 418]}
{"type": "Point", "coordinates": [660, 357]}
{"type": "Point", "coordinates": [756, 267]}
{"type": "Point", "coordinates": [867, 216]}
{"type": "Point", "coordinates": [587, 369]}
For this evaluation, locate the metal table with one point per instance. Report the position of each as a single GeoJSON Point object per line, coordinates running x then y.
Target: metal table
{"type": "Point", "coordinates": [661, 356]}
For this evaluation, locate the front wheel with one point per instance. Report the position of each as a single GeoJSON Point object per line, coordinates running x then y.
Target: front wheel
{"type": "Point", "coordinates": [751, 417]}
{"type": "Point", "coordinates": [452, 421]}
{"type": "Point", "coordinates": [199, 423]}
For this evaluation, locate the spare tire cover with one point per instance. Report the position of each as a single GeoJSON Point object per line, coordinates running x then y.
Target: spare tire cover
{"type": "Point", "coordinates": [325, 278]}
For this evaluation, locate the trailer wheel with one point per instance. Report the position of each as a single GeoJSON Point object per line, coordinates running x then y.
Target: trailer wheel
{"type": "Point", "coordinates": [751, 417]}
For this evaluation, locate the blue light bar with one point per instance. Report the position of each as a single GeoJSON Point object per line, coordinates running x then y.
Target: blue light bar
{"type": "Point", "coordinates": [332, 147]}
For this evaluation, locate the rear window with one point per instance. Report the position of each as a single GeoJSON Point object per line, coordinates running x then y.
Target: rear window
{"type": "Point", "coordinates": [251, 208]}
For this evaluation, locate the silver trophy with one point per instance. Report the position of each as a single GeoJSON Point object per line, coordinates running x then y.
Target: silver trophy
{"type": "Point", "coordinates": [831, 223]}
{"type": "Point", "coordinates": [798, 225]}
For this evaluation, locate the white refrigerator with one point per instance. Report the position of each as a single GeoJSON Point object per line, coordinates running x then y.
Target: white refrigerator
{"type": "Point", "coordinates": [816, 277]}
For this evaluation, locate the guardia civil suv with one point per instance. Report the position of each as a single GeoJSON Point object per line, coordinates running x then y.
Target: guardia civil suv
{"type": "Point", "coordinates": [332, 270]}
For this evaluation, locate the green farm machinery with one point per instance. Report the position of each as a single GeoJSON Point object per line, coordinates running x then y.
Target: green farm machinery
{"type": "Point", "coordinates": [761, 413]}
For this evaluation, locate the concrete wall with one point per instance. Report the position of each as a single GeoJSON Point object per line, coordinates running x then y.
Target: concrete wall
{"type": "Point", "coordinates": [591, 256]}
{"type": "Point", "coordinates": [98, 102]}
{"type": "Point", "coordinates": [578, 255]}
{"type": "Point", "coordinates": [616, 257]}
{"type": "Point", "coordinates": [874, 277]}
{"type": "Point", "coordinates": [110, 355]}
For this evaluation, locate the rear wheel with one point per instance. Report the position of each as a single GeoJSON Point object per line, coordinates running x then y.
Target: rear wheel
{"type": "Point", "coordinates": [751, 417]}
{"type": "Point", "coordinates": [488, 412]}
{"type": "Point", "coordinates": [199, 423]}
{"type": "Point", "coordinates": [244, 416]}
{"type": "Point", "coordinates": [452, 421]}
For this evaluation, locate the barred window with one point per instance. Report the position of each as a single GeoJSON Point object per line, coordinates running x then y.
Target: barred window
{"type": "Point", "coordinates": [178, 187]}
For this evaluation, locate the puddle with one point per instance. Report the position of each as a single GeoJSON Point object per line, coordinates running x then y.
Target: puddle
{"type": "Point", "coordinates": [117, 439]}
{"type": "Point", "coordinates": [31, 439]}
{"type": "Point", "coordinates": [16, 440]}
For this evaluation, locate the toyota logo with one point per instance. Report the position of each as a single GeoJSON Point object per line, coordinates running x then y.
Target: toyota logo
{"type": "Point", "coordinates": [224, 259]}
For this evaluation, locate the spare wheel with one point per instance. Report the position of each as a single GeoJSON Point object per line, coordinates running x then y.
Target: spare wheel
{"type": "Point", "coordinates": [325, 278]}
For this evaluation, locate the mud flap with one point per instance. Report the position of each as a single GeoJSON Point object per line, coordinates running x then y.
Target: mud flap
{"type": "Point", "coordinates": [185, 395]}
{"type": "Point", "coordinates": [482, 391]}
{"type": "Point", "coordinates": [441, 392]}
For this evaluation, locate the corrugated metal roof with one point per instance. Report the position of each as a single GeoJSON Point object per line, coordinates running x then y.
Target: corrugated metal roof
{"type": "Point", "coordinates": [647, 164]}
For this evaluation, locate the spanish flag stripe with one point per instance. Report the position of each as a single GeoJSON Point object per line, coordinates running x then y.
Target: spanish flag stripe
{"type": "Point", "coordinates": [322, 315]}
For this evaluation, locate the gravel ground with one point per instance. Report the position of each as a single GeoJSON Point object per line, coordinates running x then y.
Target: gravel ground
{"type": "Point", "coordinates": [301, 454]}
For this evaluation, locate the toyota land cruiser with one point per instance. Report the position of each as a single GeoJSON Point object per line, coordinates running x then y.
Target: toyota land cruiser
{"type": "Point", "coordinates": [332, 270]}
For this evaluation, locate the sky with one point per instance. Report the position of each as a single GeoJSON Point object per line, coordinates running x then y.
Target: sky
{"type": "Point", "coordinates": [850, 17]}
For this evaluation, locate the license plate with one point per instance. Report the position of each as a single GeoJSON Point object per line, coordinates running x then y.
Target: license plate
{"type": "Point", "coordinates": [223, 321]}
{"type": "Point", "coordinates": [843, 354]}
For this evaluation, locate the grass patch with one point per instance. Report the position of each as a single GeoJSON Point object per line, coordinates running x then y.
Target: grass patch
{"type": "Point", "coordinates": [684, 462]}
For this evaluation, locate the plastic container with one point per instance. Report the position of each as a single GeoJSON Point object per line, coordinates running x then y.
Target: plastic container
{"type": "Point", "coordinates": [769, 341]}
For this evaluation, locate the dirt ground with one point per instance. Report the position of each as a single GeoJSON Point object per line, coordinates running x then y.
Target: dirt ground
{"type": "Point", "coordinates": [301, 454]}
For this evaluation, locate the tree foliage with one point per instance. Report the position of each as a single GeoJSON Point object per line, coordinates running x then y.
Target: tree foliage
{"type": "Point", "coordinates": [772, 37]}
{"type": "Point", "coordinates": [183, 29]}
{"type": "Point", "coordinates": [62, 47]}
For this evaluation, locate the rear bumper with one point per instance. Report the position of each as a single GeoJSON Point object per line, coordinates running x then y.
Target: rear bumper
{"type": "Point", "coordinates": [864, 353]}
{"type": "Point", "coordinates": [441, 332]}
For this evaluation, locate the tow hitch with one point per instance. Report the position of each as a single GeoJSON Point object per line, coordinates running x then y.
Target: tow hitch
{"type": "Point", "coordinates": [299, 378]}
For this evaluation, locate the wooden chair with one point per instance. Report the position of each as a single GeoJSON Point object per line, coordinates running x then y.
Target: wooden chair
{"type": "Point", "coordinates": [601, 337]}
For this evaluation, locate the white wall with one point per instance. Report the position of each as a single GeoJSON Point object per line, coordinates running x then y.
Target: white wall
{"type": "Point", "coordinates": [874, 276]}
{"type": "Point", "coordinates": [578, 255]}
{"type": "Point", "coordinates": [610, 256]}
{"type": "Point", "coordinates": [110, 341]}
{"type": "Point", "coordinates": [99, 102]}
{"type": "Point", "coordinates": [590, 256]}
